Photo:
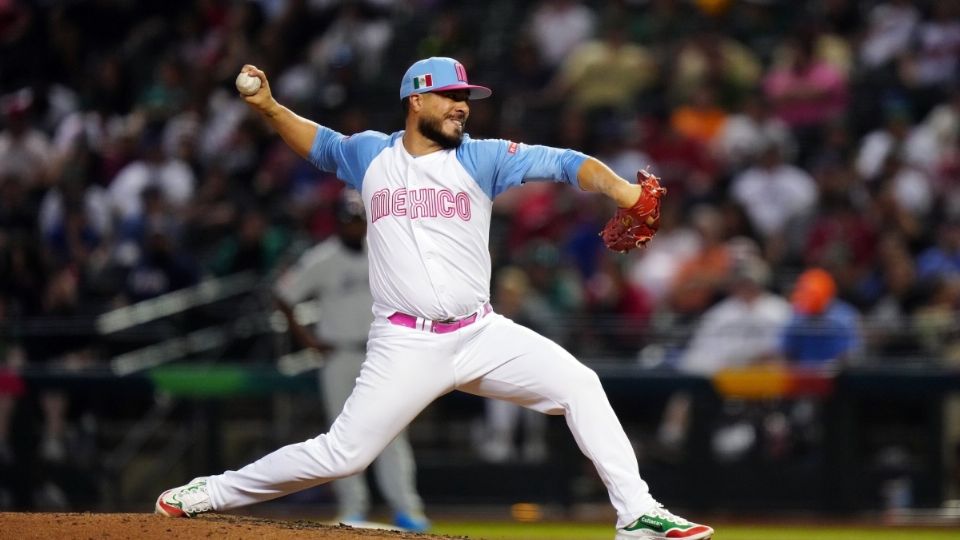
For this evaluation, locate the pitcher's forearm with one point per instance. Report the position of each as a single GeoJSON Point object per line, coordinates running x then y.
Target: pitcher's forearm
{"type": "Point", "coordinates": [295, 130]}
{"type": "Point", "coordinates": [596, 177]}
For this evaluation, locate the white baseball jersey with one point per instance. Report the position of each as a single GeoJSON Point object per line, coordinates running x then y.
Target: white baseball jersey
{"type": "Point", "coordinates": [338, 277]}
{"type": "Point", "coordinates": [429, 217]}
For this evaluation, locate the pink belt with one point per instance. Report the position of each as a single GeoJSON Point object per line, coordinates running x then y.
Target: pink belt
{"type": "Point", "coordinates": [437, 327]}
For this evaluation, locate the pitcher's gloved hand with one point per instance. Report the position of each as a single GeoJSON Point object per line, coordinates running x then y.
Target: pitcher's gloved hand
{"type": "Point", "coordinates": [633, 227]}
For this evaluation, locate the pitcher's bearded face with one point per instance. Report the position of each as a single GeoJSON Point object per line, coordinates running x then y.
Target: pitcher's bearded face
{"type": "Point", "coordinates": [444, 116]}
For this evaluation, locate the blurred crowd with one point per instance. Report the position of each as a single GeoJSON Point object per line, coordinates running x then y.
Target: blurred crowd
{"type": "Point", "coordinates": [811, 151]}
{"type": "Point", "coordinates": [790, 136]}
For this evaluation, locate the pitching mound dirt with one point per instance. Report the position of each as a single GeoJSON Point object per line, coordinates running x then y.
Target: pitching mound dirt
{"type": "Point", "coordinates": [17, 526]}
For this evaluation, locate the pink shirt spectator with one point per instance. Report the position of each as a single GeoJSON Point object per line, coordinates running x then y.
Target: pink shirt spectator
{"type": "Point", "coordinates": [809, 96]}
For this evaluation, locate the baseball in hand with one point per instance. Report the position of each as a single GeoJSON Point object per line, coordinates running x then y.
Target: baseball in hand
{"type": "Point", "coordinates": [247, 84]}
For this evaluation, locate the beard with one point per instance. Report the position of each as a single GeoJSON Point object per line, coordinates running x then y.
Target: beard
{"type": "Point", "coordinates": [432, 129]}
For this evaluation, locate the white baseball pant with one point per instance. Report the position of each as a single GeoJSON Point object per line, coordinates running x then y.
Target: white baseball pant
{"type": "Point", "coordinates": [394, 469]}
{"type": "Point", "coordinates": [407, 368]}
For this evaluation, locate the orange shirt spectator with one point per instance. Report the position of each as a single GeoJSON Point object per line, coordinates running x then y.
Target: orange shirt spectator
{"type": "Point", "coordinates": [701, 119]}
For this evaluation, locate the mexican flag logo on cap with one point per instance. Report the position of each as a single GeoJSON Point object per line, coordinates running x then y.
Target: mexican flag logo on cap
{"type": "Point", "coordinates": [423, 81]}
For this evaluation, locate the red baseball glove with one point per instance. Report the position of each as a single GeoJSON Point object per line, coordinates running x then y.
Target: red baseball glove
{"type": "Point", "coordinates": [633, 227]}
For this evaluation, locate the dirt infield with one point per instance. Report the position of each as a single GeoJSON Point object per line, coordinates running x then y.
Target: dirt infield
{"type": "Point", "coordinates": [17, 526]}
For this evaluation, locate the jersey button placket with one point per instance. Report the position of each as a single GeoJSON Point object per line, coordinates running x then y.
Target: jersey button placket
{"type": "Point", "coordinates": [424, 243]}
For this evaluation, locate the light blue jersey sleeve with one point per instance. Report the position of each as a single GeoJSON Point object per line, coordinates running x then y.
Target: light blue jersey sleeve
{"type": "Point", "coordinates": [497, 164]}
{"type": "Point", "coordinates": [347, 157]}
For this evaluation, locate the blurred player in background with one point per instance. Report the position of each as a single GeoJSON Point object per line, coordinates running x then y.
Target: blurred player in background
{"type": "Point", "coordinates": [336, 273]}
{"type": "Point", "coordinates": [428, 192]}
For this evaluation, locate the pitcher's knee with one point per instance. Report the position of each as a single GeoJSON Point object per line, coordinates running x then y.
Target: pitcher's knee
{"type": "Point", "coordinates": [351, 468]}
{"type": "Point", "coordinates": [341, 459]}
{"type": "Point", "coordinates": [588, 381]}
{"type": "Point", "coordinates": [585, 387]}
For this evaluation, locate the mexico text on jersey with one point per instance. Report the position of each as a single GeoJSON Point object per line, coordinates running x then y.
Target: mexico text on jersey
{"type": "Point", "coordinates": [419, 203]}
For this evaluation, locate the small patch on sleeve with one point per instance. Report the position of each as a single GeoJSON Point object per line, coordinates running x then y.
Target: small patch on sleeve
{"type": "Point", "coordinates": [512, 149]}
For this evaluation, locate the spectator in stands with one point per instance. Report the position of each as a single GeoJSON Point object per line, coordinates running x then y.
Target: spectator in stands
{"type": "Point", "coordinates": [700, 119]}
{"type": "Point", "coordinates": [913, 146]}
{"type": "Point", "coordinates": [358, 35]}
{"type": "Point", "coordinates": [211, 212]}
{"type": "Point", "coordinates": [161, 267]}
{"type": "Point", "coordinates": [828, 47]}
{"type": "Point", "coordinates": [942, 126]}
{"type": "Point", "coordinates": [840, 238]}
{"type": "Point", "coordinates": [741, 330]}
{"type": "Point", "coordinates": [700, 280]}
{"type": "Point", "coordinates": [447, 37]}
{"type": "Point", "coordinates": [935, 320]}
{"type": "Point", "coordinates": [655, 266]}
{"type": "Point", "coordinates": [25, 151]}
{"type": "Point", "coordinates": [559, 26]}
{"type": "Point", "coordinates": [824, 331]}
{"type": "Point", "coordinates": [658, 24]}
{"type": "Point", "coordinates": [77, 186]}
{"type": "Point", "coordinates": [746, 133]}
{"type": "Point", "coordinates": [775, 195]}
{"type": "Point", "coordinates": [173, 177]}
{"type": "Point", "coordinates": [934, 65]}
{"type": "Point", "coordinates": [684, 165]}
{"type": "Point", "coordinates": [132, 232]}
{"type": "Point", "coordinates": [889, 30]}
{"type": "Point", "coordinates": [943, 123]}
{"type": "Point", "coordinates": [822, 335]}
{"type": "Point", "coordinates": [807, 94]}
{"type": "Point", "coordinates": [895, 213]}
{"type": "Point", "coordinates": [74, 239]}
{"type": "Point", "coordinates": [758, 25]}
{"type": "Point", "coordinates": [552, 278]}
{"type": "Point", "coordinates": [523, 112]}
{"type": "Point", "coordinates": [942, 258]}
{"type": "Point", "coordinates": [710, 57]}
{"type": "Point", "coordinates": [255, 247]}
{"type": "Point", "coordinates": [166, 95]}
{"type": "Point", "coordinates": [618, 312]}
{"type": "Point", "coordinates": [619, 145]}
{"type": "Point", "coordinates": [888, 325]}
{"type": "Point", "coordinates": [17, 215]}
{"type": "Point", "coordinates": [603, 75]}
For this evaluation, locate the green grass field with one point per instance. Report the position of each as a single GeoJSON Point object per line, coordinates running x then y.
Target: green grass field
{"type": "Point", "coordinates": [582, 531]}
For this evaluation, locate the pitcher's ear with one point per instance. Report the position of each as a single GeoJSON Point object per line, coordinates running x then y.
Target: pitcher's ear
{"type": "Point", "coordinates": [416, 102]}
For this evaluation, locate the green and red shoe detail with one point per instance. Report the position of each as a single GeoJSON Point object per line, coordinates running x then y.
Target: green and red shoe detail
{"type": "Point", "coordinates": [184, 501]}
{"type": "Point", "coordinates": [170, 509]}
{"type": "Point", "coordinates": [661, 524]}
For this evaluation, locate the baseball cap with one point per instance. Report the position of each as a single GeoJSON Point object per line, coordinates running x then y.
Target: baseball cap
{"type": "Point", "coordinates": [439, 74]}
{"type": "Point", "coordinates": [814, 290]}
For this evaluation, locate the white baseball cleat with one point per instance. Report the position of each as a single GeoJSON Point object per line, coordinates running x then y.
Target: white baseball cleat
{"type": "Point", "coordinates": [659, 524]}
{"type": "Point", "coordinates": [185, 501]}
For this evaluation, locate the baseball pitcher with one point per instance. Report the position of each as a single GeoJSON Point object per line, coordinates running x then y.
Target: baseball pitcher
{"type": "Point", "coordinates": [428, 192]}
